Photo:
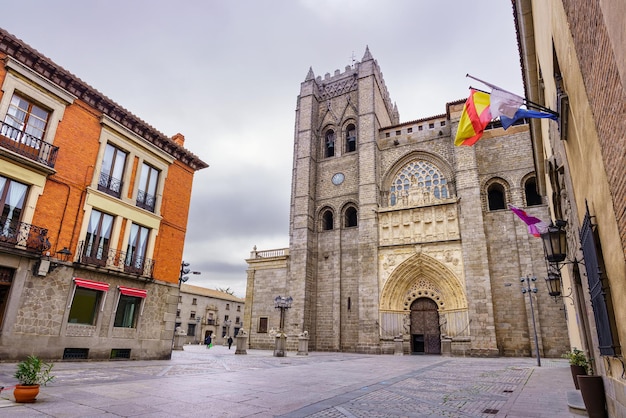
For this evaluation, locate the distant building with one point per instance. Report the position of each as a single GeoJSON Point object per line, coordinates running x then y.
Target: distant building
{"type": "Point", "coordinates": [574, 59]}
{"type": "Point", "coordinates": [395, 233]}
{"type": "Point", "coordinates": [94, 215]}
{"type": "Point", "coordinates": [202, 312]}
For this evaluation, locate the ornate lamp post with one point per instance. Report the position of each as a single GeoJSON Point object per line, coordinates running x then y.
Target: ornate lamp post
{"type": "Point", "coordinates": [283, 303]}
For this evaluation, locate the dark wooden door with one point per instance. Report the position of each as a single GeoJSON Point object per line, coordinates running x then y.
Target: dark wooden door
{"type": "Point", "coordinates": [425, 333]}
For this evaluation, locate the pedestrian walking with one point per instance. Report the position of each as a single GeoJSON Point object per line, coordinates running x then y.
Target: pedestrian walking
{"type": "Point", "coordinates": [207, 341]}
{"type": "Point", "coordinates": [230, 341]}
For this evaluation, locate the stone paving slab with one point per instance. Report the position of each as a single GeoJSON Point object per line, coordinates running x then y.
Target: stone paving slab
{"type": "Point", "coordinates": [198, 382]}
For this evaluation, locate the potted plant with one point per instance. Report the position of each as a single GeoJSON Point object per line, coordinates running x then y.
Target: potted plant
{"type": "Point", "coordinates": [31, 373]}
{"type": "Point", "coordinates": [578, 363]}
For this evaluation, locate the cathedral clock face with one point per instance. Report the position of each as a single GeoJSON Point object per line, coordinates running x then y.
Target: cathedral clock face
{"type": "Point", "coordinates": [338, 179]}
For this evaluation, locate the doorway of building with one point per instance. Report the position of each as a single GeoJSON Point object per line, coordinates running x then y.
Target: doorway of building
{"type": "Point", "coordinates": [425, 332]}
{"type": "Point", "coordinates": [6, 278]}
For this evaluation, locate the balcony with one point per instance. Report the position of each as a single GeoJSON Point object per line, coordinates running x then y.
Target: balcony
{"type": "Point", "coordinates": [110, 185]}
{"type": "Point", "coordinates": [114, 260]}
{"type": "Point", "coordinates": [27, 145]}
{"type": "Point", "coordinates": [145, 201]}
{"type": "Point", "coordinates": [20, 234]}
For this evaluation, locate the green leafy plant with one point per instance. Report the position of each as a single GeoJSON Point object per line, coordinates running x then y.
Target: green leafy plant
{"type": "Point", "coordinates": [33, 371]}
{"type": "Point", "coordinates": [577, 357]}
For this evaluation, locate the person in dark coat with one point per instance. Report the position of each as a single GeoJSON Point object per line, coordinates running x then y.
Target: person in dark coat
{"type": "Point", "coordinates": [207, 341]}
{"type": "Point", "coordinates": [230, 341]}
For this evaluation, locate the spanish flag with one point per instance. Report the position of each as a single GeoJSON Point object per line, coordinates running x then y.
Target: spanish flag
{"type": "Point", "coordinates": [476, 116]}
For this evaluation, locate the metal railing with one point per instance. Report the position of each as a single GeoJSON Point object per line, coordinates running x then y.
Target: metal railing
{"type": "Point", "coordinates": [28, 146]}
{"type": "Point", "coordinates": [110, 185]}
{"type": "Point", "coordinates": [145, 201]}
{"type": "Point", "coordinates": [31, 237]}
{"type": "Point", "coordinates": [114, 259]}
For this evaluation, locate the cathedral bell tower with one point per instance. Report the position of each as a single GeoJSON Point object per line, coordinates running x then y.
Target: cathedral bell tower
{"type": "Point", "coordinates": [335, 192]}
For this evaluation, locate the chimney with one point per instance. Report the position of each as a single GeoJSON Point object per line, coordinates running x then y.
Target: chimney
{"type": "Point", "coordinates": [179, 139]}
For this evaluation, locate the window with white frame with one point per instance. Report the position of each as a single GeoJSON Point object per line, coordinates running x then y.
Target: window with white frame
{"type": "Point", "coordinates": [86, 301]}
{"type": "Point", "coordinates": [127, 311]}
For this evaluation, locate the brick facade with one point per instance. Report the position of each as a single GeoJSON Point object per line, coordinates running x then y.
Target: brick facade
{"type": "Point", "coordinates": [39, 286]}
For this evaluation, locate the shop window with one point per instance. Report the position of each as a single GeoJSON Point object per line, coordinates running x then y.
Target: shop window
{"type": "Point", "coordinates": [127, 311]}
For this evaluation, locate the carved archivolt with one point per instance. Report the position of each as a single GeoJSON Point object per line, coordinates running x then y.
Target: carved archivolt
{"type": "Point", "coordinates": [422, 276]}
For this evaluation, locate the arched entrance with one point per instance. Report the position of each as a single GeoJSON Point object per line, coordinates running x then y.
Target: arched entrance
{"type": "Point", "coordinates": [425, 332]}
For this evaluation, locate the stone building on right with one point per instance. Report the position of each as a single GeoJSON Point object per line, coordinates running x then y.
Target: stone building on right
{"type": "Point", "coordinates": [573, 54]}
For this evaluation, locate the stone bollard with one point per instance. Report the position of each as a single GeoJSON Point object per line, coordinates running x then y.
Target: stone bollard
{"type": "Point", "coordinates": [242, 337]}
{"type": "Point", "coordinates": [303, 344]}
{"type": "Point", "coordinates": [446, 346]}
{"type": "Point", "coordinates": [179, 338]}
{"type": "Point", "coordinates": [398, 345]}
{"type": "Point", "coordinates": [281, 344]}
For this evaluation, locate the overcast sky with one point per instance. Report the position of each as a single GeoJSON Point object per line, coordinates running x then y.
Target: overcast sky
{"type": "Point", "coordinates": [226, 74]}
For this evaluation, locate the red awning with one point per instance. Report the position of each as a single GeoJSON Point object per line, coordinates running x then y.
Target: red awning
{"type": "Point", "coordinates": [90, 284]}
{"type": "Point", "coordinates": [130, 291]}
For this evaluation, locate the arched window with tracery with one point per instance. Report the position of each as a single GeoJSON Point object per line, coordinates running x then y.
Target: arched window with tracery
{"type": "Point", "coordinates": [327, 220]}
{"type": "Point", "coordinates": [496, 196]}
{"type": "Point", "coordinates": [530, 190]}
{"type": "Point", "coordinates": [424, 176]}
{"type": "Point", "coordinates": [329, 143]}
{"type": "Point", "coordinates": [351, 217]}
{"type": "Point", "coordinates": [351, 138]}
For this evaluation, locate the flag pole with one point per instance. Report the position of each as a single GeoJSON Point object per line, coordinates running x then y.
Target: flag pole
{"type": "Point", "coordinates": [528, 102]}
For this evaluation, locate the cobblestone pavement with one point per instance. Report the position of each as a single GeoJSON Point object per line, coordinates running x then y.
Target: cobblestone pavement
{"type": "Point", "coordinates": [200, 382]}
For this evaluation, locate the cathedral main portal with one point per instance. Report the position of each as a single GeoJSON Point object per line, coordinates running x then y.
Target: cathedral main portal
{"type": "Point", "coordinates": [424, 328]}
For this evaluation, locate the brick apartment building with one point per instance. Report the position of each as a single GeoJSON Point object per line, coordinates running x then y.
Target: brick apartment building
{"type": "Point", "coordinates": [94, 214]}
{"type": "Point", "coordinates": [395, 233]}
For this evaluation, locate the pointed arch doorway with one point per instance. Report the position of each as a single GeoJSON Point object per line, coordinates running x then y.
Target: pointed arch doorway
{"type": "Point", "coordinates": [425, 331]}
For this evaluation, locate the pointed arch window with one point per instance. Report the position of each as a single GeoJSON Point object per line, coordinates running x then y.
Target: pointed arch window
{"type": "Point", "coordinates": [496, 197]}
{"type": "Point", "coordinates": [351, 138]}
{"type": "Point", "coordinates": [329, 143]}
{"type": "Point", "coordinates": [421, 174]}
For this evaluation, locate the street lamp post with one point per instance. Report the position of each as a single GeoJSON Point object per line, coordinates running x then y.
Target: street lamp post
{"type": "Point", "coordinates": [529, 291]}
{"type": "Point", "coordinates": [283, 303]}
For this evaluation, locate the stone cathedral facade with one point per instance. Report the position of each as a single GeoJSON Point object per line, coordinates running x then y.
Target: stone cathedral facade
{"type": "Point", "coordinates": [396, 234]}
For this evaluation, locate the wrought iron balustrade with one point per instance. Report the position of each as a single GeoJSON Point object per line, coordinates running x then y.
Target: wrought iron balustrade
{"type": "Point", "coordinates": [114, 259]}
{"type": "Point", "coordinates": [145, 201]}
{"type": "Point", "coordinates": [27, 145]}
{"type": "Point", "coordinates": [110, 185]}
{"type": "Point", "coordinates": [30, 237]}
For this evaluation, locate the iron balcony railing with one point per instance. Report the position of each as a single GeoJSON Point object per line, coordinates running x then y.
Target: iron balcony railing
{"type": "Point", "coordinates": [30, 237]}
{"type": "Point", "coordinates": [28, 146]}
{"type": "Point", "coordinates": [114, 259]}
{"type": "Point", "coordinates": [145, 201]}
{"type": "Point", "coordinates": [110, 185]}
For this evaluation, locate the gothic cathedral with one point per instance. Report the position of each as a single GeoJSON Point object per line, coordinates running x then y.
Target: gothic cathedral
{"type": "Point", "coordinates": [399, 238]}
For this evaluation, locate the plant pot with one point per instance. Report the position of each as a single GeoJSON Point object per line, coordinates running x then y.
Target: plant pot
{"type": "Point", "coordinates": [577, 371]}
{"type": "Point", "coordinates": [592, 391]}
{"type": "Point", "coordinates": [25, 394]}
